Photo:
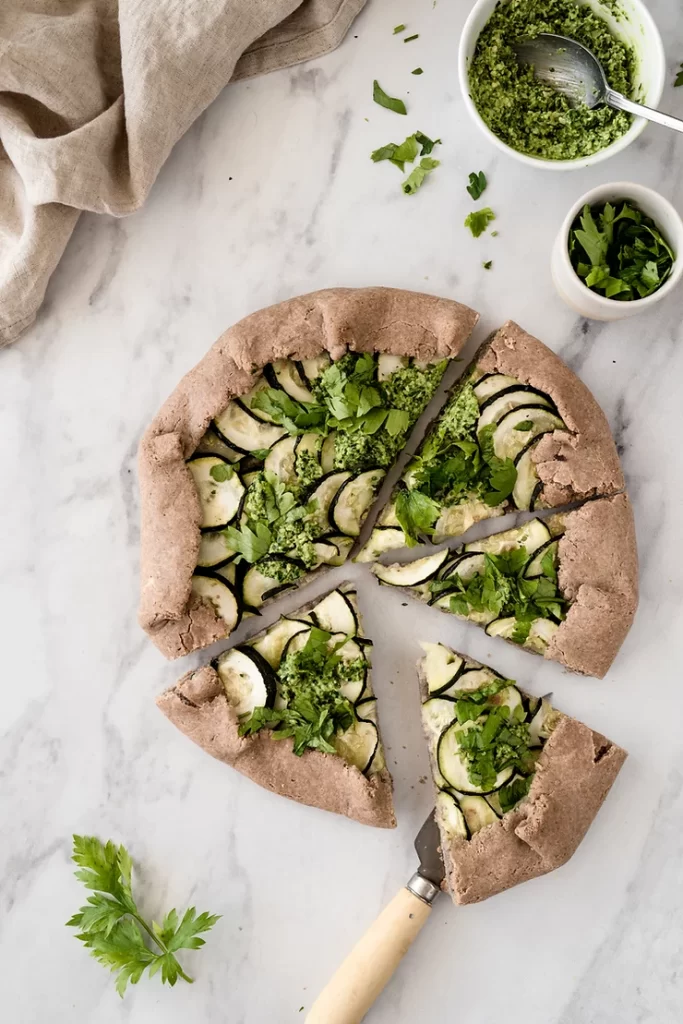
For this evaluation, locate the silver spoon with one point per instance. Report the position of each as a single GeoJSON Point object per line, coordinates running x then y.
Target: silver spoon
{"type": "Point", "coordinates": [574, 71]}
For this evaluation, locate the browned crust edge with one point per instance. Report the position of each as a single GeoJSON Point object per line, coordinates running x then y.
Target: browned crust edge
{"type": "Point", "coordinates": [574, 774]}
{"type": "Point", "coordinates": [335, 320]}
{"type": "Point", "coordinates": [572, 466]}
{"type": "Point", "coordinates": [197, 705]}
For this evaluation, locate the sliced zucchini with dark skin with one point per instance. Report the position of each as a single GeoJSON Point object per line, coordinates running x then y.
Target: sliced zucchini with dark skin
{"type": "Point", "coordinates": [272, 644]}
{"type": "Point", "coordinates": [219, 593]}
{"type": "Point", "coordinates": [326, 552]}
{"type": "Point", "coordinates": [493, 800]}
{"type": "Point", "coordinates": [350, 504]}
{"type": "Point", "coordinates": [477, 811]}
{"type": "Point", "coordinates": [411, 574]}
{"type": "Point", "coordinates": [324, 494]}
{"type": "Point", "coordinates": [441, 668]}
{"type": "Point", "coordinates": [527, 477]}
{"type": "Point", "coordinates": [542, 632]}
{"type": "Point", "coordinates": [327, 453]}
{"type": "Point", "coordinates": [535, 565]}
{"type": "Point", "coordinates": [296, 642]}
{"type": "Point", "coordinates": [508, 442]}
{"type": "Point", "coordinates": [343, 546]}
{"type": "Point", "coordinates": [542, 724]}
{"type": "Point", "coordinates": [470, 564]}
{"type": "Point", "coordinates": [247, 678]}
{"type": "Point", "coordinates": [257, 586]}
{"type": "Point", "coordinates": [504, 627]}
{"type": "Point", "coordinates": [450, 818]}
{"type": "Point", "coordinates": [358, 744]}
{"type": "Point", "coordinates": [246, 400]}
{"type": "Point", "coordinates": [453, 767]}
{"type": "Point", "coordinates": [536, 497]}
{"type": "Point", "coordinates": [290, 380]}
{"type": "Point", "coordinates": [219, 499]}
{"type": "Point", "coordinates": [531, 536]}
{"type": "Point", "coordinates": [241, 429]}
{"type": "Point", "coordinates": [309, 442]}
{"type": "Point", "coordinates": [437, 713]}
{"type": "Point", "coordinates": [491, 384]}
{"type": "Point", "coordinates": [366, 708]}
{"type": "Point", "coordinates": [312, 368]}
{"type": "Point", "coordinates": [474, 678]}
{"type": "Point", "coordinates": [214, 551]}
{"type": "Point", "coordinates": [388, 364]}
{"type": "Point", "coordinates": [336, 614]}
{"type": "Point", "coordinates": [494, 408]}
{"type": "Point", "coordinates": [382, 538]}
{"type": "Point", "coordinates": [211, 444]}
{"type": "Point", "coordinates": [281, 460]}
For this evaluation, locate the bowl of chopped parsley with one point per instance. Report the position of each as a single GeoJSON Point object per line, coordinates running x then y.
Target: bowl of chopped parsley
{"type": "Point", "coordinates": [531, 120]}
{"type": "Point", "coordinates": [617, 252]}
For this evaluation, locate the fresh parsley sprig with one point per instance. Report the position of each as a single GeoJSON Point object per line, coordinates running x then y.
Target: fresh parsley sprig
{"type": "Point", "coordinates": [477, 184]}
{"type": "Point", "coordinates": [114, 931]}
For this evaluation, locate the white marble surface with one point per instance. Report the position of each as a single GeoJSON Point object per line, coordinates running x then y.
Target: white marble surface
{"type": "Point", "coordinates": [272, 193]}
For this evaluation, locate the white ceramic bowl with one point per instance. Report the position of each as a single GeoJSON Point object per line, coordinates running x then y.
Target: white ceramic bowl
{"type": "Point", "coordinates": [637, 29]}
{"type": "Point", "coordinates": [568, 283]}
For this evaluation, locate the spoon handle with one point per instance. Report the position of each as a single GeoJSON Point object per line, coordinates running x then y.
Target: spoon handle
{"type": "Point", "coordinates": [615, 99]}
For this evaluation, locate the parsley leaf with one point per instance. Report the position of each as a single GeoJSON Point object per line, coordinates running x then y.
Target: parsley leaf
{"type": "Point", "coordinates": [503, 473]}
{"type": "Point", "coordinates": [479, 220]}
{"type": "Point", "coordinates": [524, 425]}
{"type": "Point", "coordinates": [487, 264]}
{"type": "Point", "coordinates": [296, 417]}
{"type": "Point", "coordinates": [250, 544]}
{"type": "Point", "coordinates": [384, 100]}
{"type": "Point", "coordinates": [477, 184]}
{"type": "Point", "coordinates": [260, 453]}
{"type": "Point", "coordinates": [417, 71]}
{"type": "Point", "coordinates": [548, 565]}
{"type": "Point", "coordinates": [416, 513]}
{"type": "Point", "coordinates": [112, 928]}
{"type": "Point", "coordinates": [399, 155]}
{"type": "Point", "coordinates": [416, 178]}
{"type": "Point", "coordinates": [426, 143]}
{"type": "Point", "coordinates": [511, 794]}
{"type": "Point", "coordinates": [221, 473]}
{"type": "Point", "coordinates": [397, 421]}
{"type": "Point", "coordinates": [679, 78]}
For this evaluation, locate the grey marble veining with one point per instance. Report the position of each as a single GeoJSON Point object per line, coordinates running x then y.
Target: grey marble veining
{"type": "Point", "coordinates": [270, 194]}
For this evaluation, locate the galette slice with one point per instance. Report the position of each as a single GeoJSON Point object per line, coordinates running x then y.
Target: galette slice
{"type": "Point", "coordinates": [263, 465]}
{"type": "Point", "coordinates": [519, 430]}
{"type": "Point", "coordinates": [518, 783]}
{"type": "Point", "coordinates": [565, 587]}
{"type": "Point", "coordinates": [294, 710]}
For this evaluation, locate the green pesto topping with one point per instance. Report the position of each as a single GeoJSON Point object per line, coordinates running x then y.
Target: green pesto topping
{"type": "Point", "coordinates": [308, 469]}
{"type": "Point", "coordinates": [281, 569]}
{"type": "Point", "coordinates": [534, 118]}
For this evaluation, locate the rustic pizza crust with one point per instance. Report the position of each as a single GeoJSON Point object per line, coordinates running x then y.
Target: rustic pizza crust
{"type": "Point", "coordinates": [572, 466]}
{"type": "Point", "coordinates": [336, 320]}
{"type": "Point", "coordinates": [198, 706]}
{"type": "Point", "coordinates": [574, 774]}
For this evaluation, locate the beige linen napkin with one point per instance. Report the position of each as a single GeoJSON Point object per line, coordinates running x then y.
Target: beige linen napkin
{"type": "Point", "coordinates": [95, 93]}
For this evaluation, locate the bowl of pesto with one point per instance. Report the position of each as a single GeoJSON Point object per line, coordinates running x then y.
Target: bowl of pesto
{"type": "Point", "coordinates": [534, 122]}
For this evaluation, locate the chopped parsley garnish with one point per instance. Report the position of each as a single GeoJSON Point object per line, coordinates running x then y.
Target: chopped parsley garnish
{"type": "Point", "coordinates": [679, 78]}
{"type": "Point", "coordinates": [515, 791]}
{"type": "Point", "coordinates": [479, 220]}
{"type": "Point", "coordinates": [384, 100]}
{"type": "Point", "coordinates": [417, 513]}
{"type": "Point", "coordinates": [417, 144]}
{"type": "Point", "coordinates": [417, 176]}
{"type": "Point", "coordinates": [409, 39]}
{"type": "Point", "coordinates": [496, 738]}
{"type": "Point", "coordinates": [621, 255]}
{"type": "Point", "coordinates": [487, 264]}
{"type": "Point", "coordinates": [417, 71]}
{"type": "Point", "coordinates": [221, 473]}
{"type": "Point", "coordinates": [399, 28]}
{"type": "Point", "coordinates": [477, 184]}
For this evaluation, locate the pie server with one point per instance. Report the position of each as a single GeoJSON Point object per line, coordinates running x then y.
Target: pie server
{"type": "Point", "coordinates": [371, 963]}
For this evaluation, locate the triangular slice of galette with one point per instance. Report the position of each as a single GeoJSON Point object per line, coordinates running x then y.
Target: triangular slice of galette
{"type": "Point", "coordinates": [565, 587]}
{"type": "Point", "coordinates": [294, 710]}
{"type": "Point", "coordinates": [518, 783]}
{"type": "Point", "coordinates": [262, 466]}
{"type": "Point", "coordinates": [519, 430]}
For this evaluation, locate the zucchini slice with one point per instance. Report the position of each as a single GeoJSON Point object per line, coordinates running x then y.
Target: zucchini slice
{"type": "Point", "coordinates": [241, 429]}
{"type": "Point", "coordinates": [366, 709]}
{"type": "Point", "coordinates": [336, 614]}
{"type": "Point", "coordinates": [508, 442]}
{"type": "Point", "coordinates": [458, 519]}
{"type": "Point", "coordinates": [247, 678]}
{"type": "Point", "coordinates": [326, 552]}
{"type": "Point", "coordinates": [310, 442]}
{"type": "Point", "coordinates": [219, 500]}
{"type": "Point", "coordinates": [474, 678]}
{"type": "Point", "coordinates": [531, 535]}
{"type": "Point", "coordinates": [350, 504]}
{"type": "Point", "coordinates": [257, 586]}
{"type": "Point", "coordinates": [477, 811]}
{"type": "Point", "coordinates": [388, 364]}
{"type": "Point", "coordinates": [214, 550]}
{"type": "Point", "coordinates": [498, 405]}
{"type": "Point", "coordinates": [453, 767]}
{"type": "Point", "coordinates": [211, 444]}
{"type": "Point", "coordinates": [324, 494]}
{"type": "Point", "coordinates": [358, 744]}
{"type": "Point", "coordinates": [449, 816]}
{"type": "Point", "coordinates": [327, 453]}
{"type": "Point", "coordinates": [468, 565]}
{"type": "Point", "coordinates": [441, 667]}
{"type": "Point", "coordinates": [352, 689]}
{"type": "Point", "coordinates": [502, 627]}
{"type": "Point", "coordinates": [246, 399]}
{"type": "Point", "coordinates": [220, 594]}
{"type": "Point", "coordinates": [437, 714]}
{"type": "Point", "coordinates": [527, 478]}
{"type": "Point", "coordinates": [411, 574]}
{"type": "Point", "coordinates": [281, 460]}
{"type": "Point", "coordinates": [291, 381]}
{"type": "Point", "coordinates": [541, 633]}
{"type": "Point", "coordinates": [535, 565]}
{"type": "Point", "coordinates": [314, 367]}
{"type": "Point", "coordinates": [491, 384]}
{"type": "Point", "coordinates": [272, 644]}
{"type": "Point", "coordinates": [342, 546]}
{"type": "Point", "coordinates": [382, 538]}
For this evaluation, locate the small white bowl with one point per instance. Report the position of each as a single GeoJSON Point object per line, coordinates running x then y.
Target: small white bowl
{"type": "Point", "coordinates": [569, 285]}
{"type": "Point", "coordinates": [636, 27]}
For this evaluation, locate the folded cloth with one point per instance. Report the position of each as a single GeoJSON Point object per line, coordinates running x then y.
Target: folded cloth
{"type": "Point", "coordinates": [95, 93]}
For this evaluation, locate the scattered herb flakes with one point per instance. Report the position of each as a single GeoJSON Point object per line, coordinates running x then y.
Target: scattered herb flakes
{"type": "Point", "coordinates": [417, 71]}
{"type": "Point", "coordinates": [494, 234]}
{"type": "Point", "coordinates": [477, 184]}
{"type": "Point", "coordinates": [417, 144]}
{"type": "Point", "coordinates": [679, 78]}
{"type": "Point", "coordinates": [417, 176]}
{"type": "Point", "coordinates": [487, 266]}
{"type": "Point", "coordinates": [409, 39]}
{"type": "Point", "coordinates": [399, 28]}
{"type": "Point", "coordinates": [384, 100]}
{"type": "Point", "coordinates": [621, 255]}
{"type": "Point", "coordinates": [479, 220]}
{"type": "Point", "coordinates": [426, 143]}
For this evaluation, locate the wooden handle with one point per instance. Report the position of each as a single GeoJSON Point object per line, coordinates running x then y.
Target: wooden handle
{"type": "Point", "coordinates": [369, 966]}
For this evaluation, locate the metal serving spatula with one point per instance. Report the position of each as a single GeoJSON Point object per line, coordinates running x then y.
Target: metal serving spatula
{"type": "Point", "coordinates": [370, 964]}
